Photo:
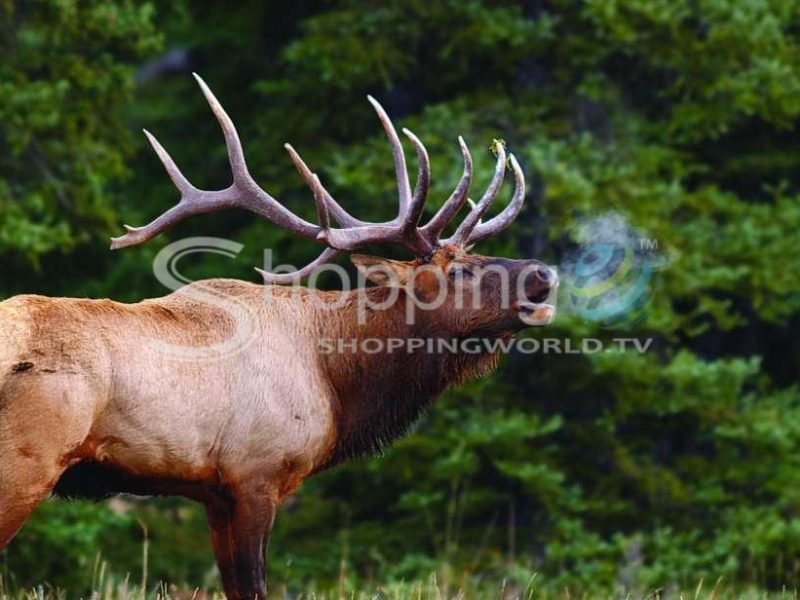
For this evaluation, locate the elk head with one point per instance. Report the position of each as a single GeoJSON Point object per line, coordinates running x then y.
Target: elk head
{"type": "Point", "coordinates": [476, 293]}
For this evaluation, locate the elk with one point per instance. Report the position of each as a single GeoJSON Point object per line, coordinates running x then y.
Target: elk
{"type": "Point", "coordinates": [89, 407]}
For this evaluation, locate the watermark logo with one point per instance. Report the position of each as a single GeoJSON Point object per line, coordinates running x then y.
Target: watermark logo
{"type": "Point", "coordinates": [607, 280]}
{"type": "Point", "coordinates": [241, 328]}
{"type": "Point", "coordinates": [478, 345]}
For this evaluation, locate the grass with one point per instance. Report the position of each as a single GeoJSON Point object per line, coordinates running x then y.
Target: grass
{"type": "Point", "coordinates": [105, 587]}
{"type": "Point", "coordinates": [441, 585]}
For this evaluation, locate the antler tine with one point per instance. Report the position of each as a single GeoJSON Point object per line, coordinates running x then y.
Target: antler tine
{"type": "Point", "coordinates": [235, 152]}
{"type": "Point", "coordinates": [325, 256]}
{"type": "Point", "coordinates": [401, 173]}
{"type": "Point", "coordinates": [423, 181]}
{"type": "Point", "coordinates": [178, 178]}
{"type": "Point", "coordinates": [462, 234]}
{"type": "Point", "coordinates": [247, 193]}
{"type": "Point", "coordinates": [243, 193]}
{"type": "Point", "coordinates": [456, 200]}
{"type": "Point", "coordinates": [137, 235]}
{"type": "Point", "coordinates": [403, 229]}
{"type": "Point", "coordinates": [343, 217]}
{"type": "Point", "coordinates": [506, 217]}
{"type": "Point", "coordinates": [189, 204]}
{"type": "Point", "coordinates": [322, 208]}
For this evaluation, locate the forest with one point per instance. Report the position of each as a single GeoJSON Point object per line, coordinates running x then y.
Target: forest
{"type": "Point", "coordinates": [671, 127]}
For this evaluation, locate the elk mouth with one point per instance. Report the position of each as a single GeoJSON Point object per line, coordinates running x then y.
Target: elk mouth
{"type": "Point", "coordinates": [539, 296]}
{"type": "Point", "coordinates": [536, 314]}
{"type": "Point", "coordinates": [535, 310]}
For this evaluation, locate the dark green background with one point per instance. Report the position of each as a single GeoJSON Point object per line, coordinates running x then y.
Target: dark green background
{"type": "Point", "coordinates": [596, 471]}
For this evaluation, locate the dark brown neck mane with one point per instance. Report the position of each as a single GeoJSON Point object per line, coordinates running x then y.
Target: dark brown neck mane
{"type": "Point", "coordinates": [381, 395]}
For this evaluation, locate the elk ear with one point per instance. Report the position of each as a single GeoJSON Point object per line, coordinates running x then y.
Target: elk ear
{"type": "Point", "coordinates": [381, 271]}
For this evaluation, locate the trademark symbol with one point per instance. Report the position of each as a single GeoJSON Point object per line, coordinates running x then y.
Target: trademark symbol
{"type": "Point", "coordinates": [648, 244]}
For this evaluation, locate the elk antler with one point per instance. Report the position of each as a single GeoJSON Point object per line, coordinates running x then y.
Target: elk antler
{"type": "Point", "coordinates": [352, 233]}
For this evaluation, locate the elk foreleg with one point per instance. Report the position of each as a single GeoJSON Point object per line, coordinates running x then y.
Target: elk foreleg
{"type": "Point", "coordinates": [38, 427]}
{"type": "Point", "coordinates": [240, 529]}
{"type": "Point", "coordinates": [20, 492]}
{"type": "Point", "coordinates": [29, 468]}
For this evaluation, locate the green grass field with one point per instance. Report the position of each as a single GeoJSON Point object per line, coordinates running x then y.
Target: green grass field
{"type": "Point", "coordinates": [435, 587]}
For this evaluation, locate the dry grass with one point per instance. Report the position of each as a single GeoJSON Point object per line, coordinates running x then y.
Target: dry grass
{"type": "Point", "coordinates": [105, 588]}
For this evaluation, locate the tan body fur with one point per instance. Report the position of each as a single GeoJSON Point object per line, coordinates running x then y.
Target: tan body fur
{"type": "Point", "coordinates": [76, 386]}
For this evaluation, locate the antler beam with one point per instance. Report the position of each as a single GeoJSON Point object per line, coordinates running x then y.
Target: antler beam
{"type": "Point", "coordinates": [352, 233]}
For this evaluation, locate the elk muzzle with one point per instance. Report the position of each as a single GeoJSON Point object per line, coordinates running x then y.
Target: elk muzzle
{"type": "Point", "coordinates": [537, 306]}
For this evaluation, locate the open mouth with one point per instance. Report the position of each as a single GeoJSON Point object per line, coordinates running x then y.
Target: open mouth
{"type": "Point", "coordinates": [540, 296]}
{"type": "Point", "coordinates": [539, 309]}
{"type": "Point", "coordinates": [536, 314]}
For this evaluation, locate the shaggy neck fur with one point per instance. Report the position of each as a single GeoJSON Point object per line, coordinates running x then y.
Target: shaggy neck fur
{"type": "Point", "coordinates": [381, 395]}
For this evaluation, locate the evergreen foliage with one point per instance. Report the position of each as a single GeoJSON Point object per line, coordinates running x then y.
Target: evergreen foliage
{"type": "Point", "coordinates": [596, 470]}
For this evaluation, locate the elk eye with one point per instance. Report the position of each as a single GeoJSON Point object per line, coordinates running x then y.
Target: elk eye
{"type": "Point", "coordinates": [460, 272]}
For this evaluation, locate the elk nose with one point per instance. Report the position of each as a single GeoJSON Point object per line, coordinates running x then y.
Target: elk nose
{"type": "Point", "coordinates": [544, 274]}
{"type": "Point", "coordinates": [540, 282]}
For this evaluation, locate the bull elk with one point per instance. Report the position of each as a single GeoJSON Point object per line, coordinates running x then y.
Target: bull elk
{"type": "Point", "coordinates": [89, 407]}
